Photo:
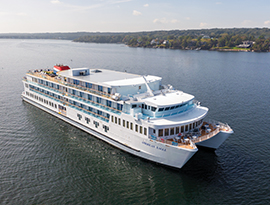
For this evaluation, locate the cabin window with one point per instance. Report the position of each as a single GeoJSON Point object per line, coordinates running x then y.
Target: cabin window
{"type": "Point", "coordinates": [143, 106]}
{"type": "Point", "coordinates": [140, 87]}
{"type": "Point", "coordinates": [124, 123]}
{"type": "Point", "coordinates": [141, 129]}
{"type": "Point", "coordinates": [145, 131]}
{"type": "Point", "coordinates": [166, 133]}
{"type": "Point", "coordinates": [115, 120]}
{"type": "Point", "coordinates": [119, 107]}
{"type": "Point", "coordinates": [136, 128]}
{"type": "Point", "coordinates": [127, 124]}
{"type": "Point", "coordinates": [172, 131]}
{"type": "Point", "coordinates": [154, 131]}
{"type": "Point", "coordinates": [88, 85]}
{"type": "Point", "coordinates": [119, 121]}
{"type": "Point", "coordinates": [108, 103]}
{"type": "Point", "coordinates": [100, 88]}
{"type": "Point", "coordinates": [109, 90]}
{"type": "Point", "coordinates": [160, 132]}
{"type": "Point", "coordinates": [112, 118]}
{"type": "Point", "coordinates": [131, 126]}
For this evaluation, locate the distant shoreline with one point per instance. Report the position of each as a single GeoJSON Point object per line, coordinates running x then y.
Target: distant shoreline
{"type": "Point", "coordinates": [225, 39]}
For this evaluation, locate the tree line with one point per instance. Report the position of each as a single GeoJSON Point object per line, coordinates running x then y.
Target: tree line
{"type": "Point", "coordinates": [205, 39]}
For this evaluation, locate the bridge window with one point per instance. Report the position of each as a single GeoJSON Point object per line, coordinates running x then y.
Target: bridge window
{"type": "Point", "coordinates": [153, 109]}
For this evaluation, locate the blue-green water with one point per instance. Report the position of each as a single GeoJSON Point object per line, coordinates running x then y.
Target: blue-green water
{"type": "Point", "coordinates": [47, 161]}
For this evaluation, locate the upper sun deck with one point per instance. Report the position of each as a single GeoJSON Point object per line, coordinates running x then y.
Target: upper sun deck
{"type": "Point", "coordinates": [109, 77]}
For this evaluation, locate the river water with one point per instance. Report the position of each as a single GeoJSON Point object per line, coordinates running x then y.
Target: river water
{"type": "Point", "coordinates": [47, 161]}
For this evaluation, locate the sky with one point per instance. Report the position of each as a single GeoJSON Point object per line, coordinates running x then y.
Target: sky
{"type": "Point", "coordinates": [39, 16]}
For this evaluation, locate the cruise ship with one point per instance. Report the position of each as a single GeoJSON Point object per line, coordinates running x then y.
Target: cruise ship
{"type": "Point", "coordinates": [135, 113]}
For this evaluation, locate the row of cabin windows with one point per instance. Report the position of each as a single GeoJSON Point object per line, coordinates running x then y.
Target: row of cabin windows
{"type": "Point", "coordinates": [45, 91]}
{"type": "Point", "coordinates": [95, 99]}
{"type": "Point", "coordinates": [177, 130]}
{"type": "Point", "coordinates": [88, 85]}
{"type": "Point", "coordinates": [93, 110]}
{"type": "Point", "coordinates": [129, 125]}
{"type": "Point", "coordinates": [41, 100]}
{"type": "Point", "coordinates": [81, 94]}
{"type": "Point", "coordinates": [99, 112]}
{"type": "Point", "coordinates": [73, 81]}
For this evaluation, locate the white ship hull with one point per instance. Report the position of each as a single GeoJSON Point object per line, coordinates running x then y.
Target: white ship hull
{"type": "Point", "coordinates": [145, 148]}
